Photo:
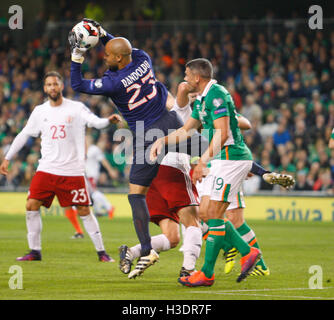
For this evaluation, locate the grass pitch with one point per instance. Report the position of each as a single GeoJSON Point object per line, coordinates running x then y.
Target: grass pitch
{"type": "Point", "coordinates": [70, 268]}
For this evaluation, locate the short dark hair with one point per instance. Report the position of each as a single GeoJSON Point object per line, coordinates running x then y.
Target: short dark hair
{"type": "Point", "coordinates": [202, 66]}
{"type": "Point", "coordinates": [53, 74]}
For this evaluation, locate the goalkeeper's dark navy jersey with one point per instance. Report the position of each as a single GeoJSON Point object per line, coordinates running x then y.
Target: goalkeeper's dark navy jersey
{"type": "Point", "coordinates": [134, 89]}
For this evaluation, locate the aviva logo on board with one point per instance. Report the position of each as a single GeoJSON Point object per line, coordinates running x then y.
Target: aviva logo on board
{"type": "Point", "coordinates": [295, 213]}
{"type": "Point", "coordinates": [290, 208]}
{"type": "Point", "coordinates": [257, 207]}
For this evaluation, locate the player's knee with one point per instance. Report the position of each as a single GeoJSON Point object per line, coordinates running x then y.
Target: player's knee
{"type": "Point", "coordinates": [203, 214]}
{"type": "Point", "coordinates": [83, 210]}
{"type": "Point", "coordinates": [235, 218]}
{"type": "Point", "coordinates": [174, 239]}
{"type": "Point", "coordinates": [32, 205]}
{"type": "Point", "coordinates": [189, 219]}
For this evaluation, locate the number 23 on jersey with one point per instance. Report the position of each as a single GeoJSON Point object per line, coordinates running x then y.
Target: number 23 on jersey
{"type": "Point", "coordinates": [58, 132]}
{"type": "Point", "coordinates": [137, 88]}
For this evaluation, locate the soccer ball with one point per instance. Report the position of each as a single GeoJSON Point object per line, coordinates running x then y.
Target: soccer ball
{"type": "Point", "coordinates": [87, 34]}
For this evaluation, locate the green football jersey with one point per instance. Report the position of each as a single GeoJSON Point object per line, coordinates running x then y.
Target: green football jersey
{"type": "Point", "coordinates": [216, 102]}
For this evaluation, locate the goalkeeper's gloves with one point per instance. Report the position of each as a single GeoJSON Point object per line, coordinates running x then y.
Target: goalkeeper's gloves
{"type": "Point", "coordinates": [102, 32]}
{"type": "Point", "coordinates": [76, 52]}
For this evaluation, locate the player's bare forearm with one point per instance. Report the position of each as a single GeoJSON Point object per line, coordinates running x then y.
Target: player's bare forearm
{"type": "Point", "coordinates": [244, 123]}
{"type": "Point", "coordinates": [176, 136]}
{"type": "Point", "coordinates": [4, 167]}
{"type": "Point", "coordinates": [216, 144]}
{"type": "Point", "coordinates": [222, 126]}
{"type": "Point", "coordinates": [170, 101]}
{"type": "Point", "coordinates": [183, 133]}
{"type": "Point", "coordinates": [183, 91]}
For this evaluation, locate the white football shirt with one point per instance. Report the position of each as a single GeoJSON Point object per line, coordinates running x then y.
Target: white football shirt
{"type": "Point", "coordinates": [62, 132]}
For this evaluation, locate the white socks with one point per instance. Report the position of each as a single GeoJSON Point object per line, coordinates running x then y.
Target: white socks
{"type": "Point", "coordinates": [192, 244]}
{"type": "Point", "coordinates": [93, 229]}
{"type": "Point", "coordinates": [159, 243]}
{"type": "Point", "coordinates": [34, 227]}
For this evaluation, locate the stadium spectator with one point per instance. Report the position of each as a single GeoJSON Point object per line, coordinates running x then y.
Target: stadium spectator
{"type": "Point", "coordinates": [301, 182]}
{"type": "Point", "coordinates": [251, 110]}
{"type": "Point", "coordinates": [269, 127]}
{"type": "Point", "coordinates": [282, 135]}
{"type": "Point", "coordinates": [285, 78]}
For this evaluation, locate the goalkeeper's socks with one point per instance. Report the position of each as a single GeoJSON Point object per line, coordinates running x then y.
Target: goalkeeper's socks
{"type": "Point", "coordinates": [141, 220]}
{"type": "Point", "coordinates": [214, 242]}
{"type": "Point", "coordinates": [71, 215]}
{"type": "Point", "coordinates": [249, 236]}
{"type": "Point", "coordinates": [93, 229]}
{"type": "Point", "coordinates": [258, 170]}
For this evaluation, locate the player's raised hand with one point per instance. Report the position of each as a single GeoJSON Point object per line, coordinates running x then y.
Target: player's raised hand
{"type": "Point", "coordinates": [76, 51]}
{"type": "Point", "coordinates": [115, 118]}
{"type": "Point", "coordinates": [156, 149]}
{"type": "Point", "coordinates": [102, 32]}
{"type": "Point", "coordinates": [4, 167]}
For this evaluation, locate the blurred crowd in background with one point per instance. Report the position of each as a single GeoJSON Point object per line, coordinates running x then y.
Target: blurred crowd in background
{"type": "Point", "coordinates": [284, 85]}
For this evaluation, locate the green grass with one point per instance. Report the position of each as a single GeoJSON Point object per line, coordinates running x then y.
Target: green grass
{"type": "Point", "coordinates": [70, 269]}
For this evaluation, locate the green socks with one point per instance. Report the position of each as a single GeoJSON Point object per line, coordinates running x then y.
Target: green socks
{"type": "Point", "coordinates": [235, 239]}
{"type": "Point", "coordinates": [249, 236]}
{"type": "Point", "coordinates": [223, 235]}
{"type": "Point", "coordinates": [214, 242]}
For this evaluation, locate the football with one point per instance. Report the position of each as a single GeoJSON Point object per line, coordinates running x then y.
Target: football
{"type": "Point", "coordinates": [87, 33]}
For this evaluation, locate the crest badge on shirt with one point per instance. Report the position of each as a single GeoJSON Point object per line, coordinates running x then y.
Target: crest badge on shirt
{"type": "Point", "coordinates": [69, 119]}
{"type": "Point", "coordinates": [98, 83]}
{"type": "Point", "coordinates": [217, 102]}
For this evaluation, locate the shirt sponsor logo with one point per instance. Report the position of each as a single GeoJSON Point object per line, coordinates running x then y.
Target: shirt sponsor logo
{"type": "Point", "coordinates": [220, 111]}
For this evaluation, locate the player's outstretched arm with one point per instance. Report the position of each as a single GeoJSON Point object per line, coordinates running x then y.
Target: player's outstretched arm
{"type": "Point", "coordinates": [92, 120]}
{"type": "Point", "coordinates": [100, 86]}
{"type": "Point", "coordinates": [18, 143]}
{"type": "Point", "coordinates": [115, 118]}
{"type": "Point", "coordinates": [179, 135]}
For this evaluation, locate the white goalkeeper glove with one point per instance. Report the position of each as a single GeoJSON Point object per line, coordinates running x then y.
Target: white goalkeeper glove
{"type": "Point", "coordinates": [76, 51]}
{"type": "Point", "coordinates": [102, 32]}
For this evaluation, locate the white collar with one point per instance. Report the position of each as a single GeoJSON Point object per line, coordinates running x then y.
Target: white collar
{"type": "Point", "coordinates": [206, 89]}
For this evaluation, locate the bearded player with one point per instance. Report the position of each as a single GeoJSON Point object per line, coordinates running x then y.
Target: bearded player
{"type": "Point", "coordinates": [61, 124]}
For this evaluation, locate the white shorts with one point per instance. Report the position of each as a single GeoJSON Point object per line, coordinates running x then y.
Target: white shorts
{"type": "Point", "coordinates": [224, 181]}
{"type": "Point", "coordinates": [204, 189]}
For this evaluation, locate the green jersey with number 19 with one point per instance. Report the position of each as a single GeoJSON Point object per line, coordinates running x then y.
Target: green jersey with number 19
{"type": "Point", "coordinates": [214, 103]}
